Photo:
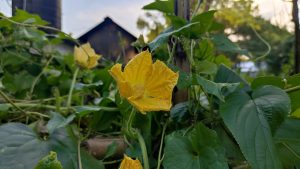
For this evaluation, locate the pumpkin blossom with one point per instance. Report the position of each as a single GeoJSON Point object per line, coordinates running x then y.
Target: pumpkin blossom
{"type": "Point", "coordinates": [128, 163]}
{"type": "Point", "coordinates": [147, 86]}
{"type": "Point", "coordinates": [85, 56]}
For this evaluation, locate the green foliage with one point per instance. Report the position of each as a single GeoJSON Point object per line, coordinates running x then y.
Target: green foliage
{"type": "Point", "coordinates": [287, 140]}
{"type": "Point", "coordinates": [247, 118]}
{"type": "Point", "coordinates": [163, 37]}
{"type": "Point", "coordinates": [268, 80]}
{"type": "Point", "coordinates": [49, 162]}
{"type": "Point", "coordinates": [163, 6]}
{"type": "Point", "coordinates": [225, 122]}
{"type": "Point", "coordinates": [213, 88]}
{"type": "Point", "coordinates": [200, 148]}
{"type": "Point", "coordinates": [23, 147]}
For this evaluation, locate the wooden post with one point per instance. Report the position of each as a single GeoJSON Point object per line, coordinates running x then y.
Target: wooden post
{"type": "Point", "coordinates": [297, 36]}
{"type": "Point", "coordinates": [182, 9]}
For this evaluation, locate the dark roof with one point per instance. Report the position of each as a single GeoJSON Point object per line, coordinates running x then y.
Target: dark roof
{"type": "Point", "coordinates": [107, 21]}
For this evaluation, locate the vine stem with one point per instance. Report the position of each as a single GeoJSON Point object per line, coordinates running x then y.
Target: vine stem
{"type": "Point", "coordinates": [292, 89]}
{"type": "Point", "coordinates": [144, 149]}
{"type": "Point", "coordinates": [79, 154]}
{"type": "Point", "coordinates": [11, 102]}
{"type": "Point", "coordinates": [129, 123]}
{"type": "Point", "coordinates": [72, 87]}
{"type": "Point", "coordinates": [38, 114]}
{"type": "Point", "coordinates": [78, 146]}
{"type": "Point", "coordinates": [160, 159]}
{"type": "Point", "coordinates": [35, 105]}
{"type": "Point", "coordinates": [39, 75]}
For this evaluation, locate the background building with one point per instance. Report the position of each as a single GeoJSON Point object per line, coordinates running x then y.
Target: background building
{"type": "Point", "coordinates": [49, 10]}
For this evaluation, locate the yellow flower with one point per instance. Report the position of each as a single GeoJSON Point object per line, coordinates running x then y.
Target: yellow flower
{"type": "Point", "coordinates": [128, 163]}
{"type": "Point", "coordinates": [147, 86]}
{"type": "Point", "coordinates": [85, 56]}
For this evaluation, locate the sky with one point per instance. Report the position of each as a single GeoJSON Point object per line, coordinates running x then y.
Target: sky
{"type": "Point", "coordinates": [79, 16]}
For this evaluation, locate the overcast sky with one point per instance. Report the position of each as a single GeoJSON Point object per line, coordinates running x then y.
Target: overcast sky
{"type": "Point", "coordinates": [81, 15]}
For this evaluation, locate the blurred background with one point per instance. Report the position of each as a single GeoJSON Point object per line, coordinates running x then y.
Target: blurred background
{"type": "Point", "coordinates": [263, 27]}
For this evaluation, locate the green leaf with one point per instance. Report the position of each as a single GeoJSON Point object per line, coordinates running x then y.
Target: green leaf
{"type": "Point", "coordinates": [15, 83]}
{"type": "Point", "coordinates": [213, 88]}
{"type": "Point", "coordinates": [177, 21]}
{"type": "Point", "coordinates": [184, 80]}
{"type": "Point", "coordinates": [294, 81]}
{"type": "Point", "coordinates": [111, 150]}
{"type": "Point", "coordinates": [224, 44]}
{"type": "Point", "coordinates": [166, 6]}
{"type": "Point", "coordinates": [178, 111]}
{"type": "Point", "coordinates": [80, 86]}
{"type": "Point", "coordinates": [25, 17]}
{"type": "Point", "coordinates": [206, 67]}
{"type": "Point", "coordinates": [58, 121]}
{"type": "Point", "coordinates": [296, 113]}
{"type": "Point", "coordinates": [204, 50]}
{"type": "Point", "coordinates": [287, 139]}
{"type": "Point", "coordinates": [22, 148]}
{"type": "Point", "coordinates": [163, 37]}
{"type": "Point", "coordinates": [201, 149]}
{"type": "Point", "coordinates": [49, 162]}
{"type": "Point", "coordinates": [247, 119]}
{"type": "Point", "coordinates": [274, 103]}
{"type": "Point", "coordinates": [267, 80]}
{"type": "Point", "coordinates": [205, 20]}
{"type": "Point", "coordinates": [226, 75]}
{"type": "Point", "coordinates": [222, 59]}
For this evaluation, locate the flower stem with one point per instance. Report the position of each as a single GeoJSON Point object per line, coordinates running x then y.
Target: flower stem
{"type": "Point", "coordinates": [144, 150]}
{"type": "Point", "coordinates": [72, 87]}
{"type": "Point", "coordinates": [160, 159]}
{"type": "Point", "coordinates": [129, 129]}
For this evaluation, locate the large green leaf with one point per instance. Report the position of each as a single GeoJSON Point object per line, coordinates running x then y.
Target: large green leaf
{"type": "Point", "coordinates": [213, 88]}
{"type": "Point", "coordinates": [294, 81]}
{"type": "Point", "coordinates": [179, 110]}
{"type": "Point", "coordinates": [58, 121]}
{"type": "Point", "coordinates": [166, 6]}
{"type": "Point", "coordinates": [226, 45]}
{"type": "Point", "coordinates": [267, 80]}
{"type": "Point", "coordinates": [247, 119]}
{"type": "Point", "coordinates": [25, 17]}
{"type": "Point", "coordinates": [201, 149]}
{"type": "Point", "coordinates": [205, 20]}
{"type": "Point", "coordinates": [163, 37]}
{"type": "Point", "coordinates": [226, 75]}
{"type": "Point", "coordinates": [287, 139]}
{"type": "Point", "coordinates": [22, 148]}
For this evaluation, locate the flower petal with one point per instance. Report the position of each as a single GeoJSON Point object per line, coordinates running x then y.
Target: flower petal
{"type": "Point", "coordinates": [124, 89]}
{"type": "Point", "coordinates": [146, 104]}
{"type": "Point", "coordinates": [139, 68]}
{"type": "Point", "coordinates": [85, 56]}
{"type": "Point", "coordinates": [117, 74]}
{"type": "Point", "coordinates": [79, 56]}
{"type": "Point", "coordinates": [161, 82]}
{"type": "Point", "coordinates": [93, 61]}
{"type": "Point", "coordinates": [128, 163]}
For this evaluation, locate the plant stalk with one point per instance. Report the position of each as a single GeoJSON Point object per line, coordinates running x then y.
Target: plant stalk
{"type": "Point", "coordinates": [72, 87]}
{"type": "Point", "coordinates": [160, 159]}
{"type": "Point", "coordinates": [144, 150]}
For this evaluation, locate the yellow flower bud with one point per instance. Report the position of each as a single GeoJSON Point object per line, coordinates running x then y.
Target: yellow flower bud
{"type": "Point", "coordinates": [85, 56]}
